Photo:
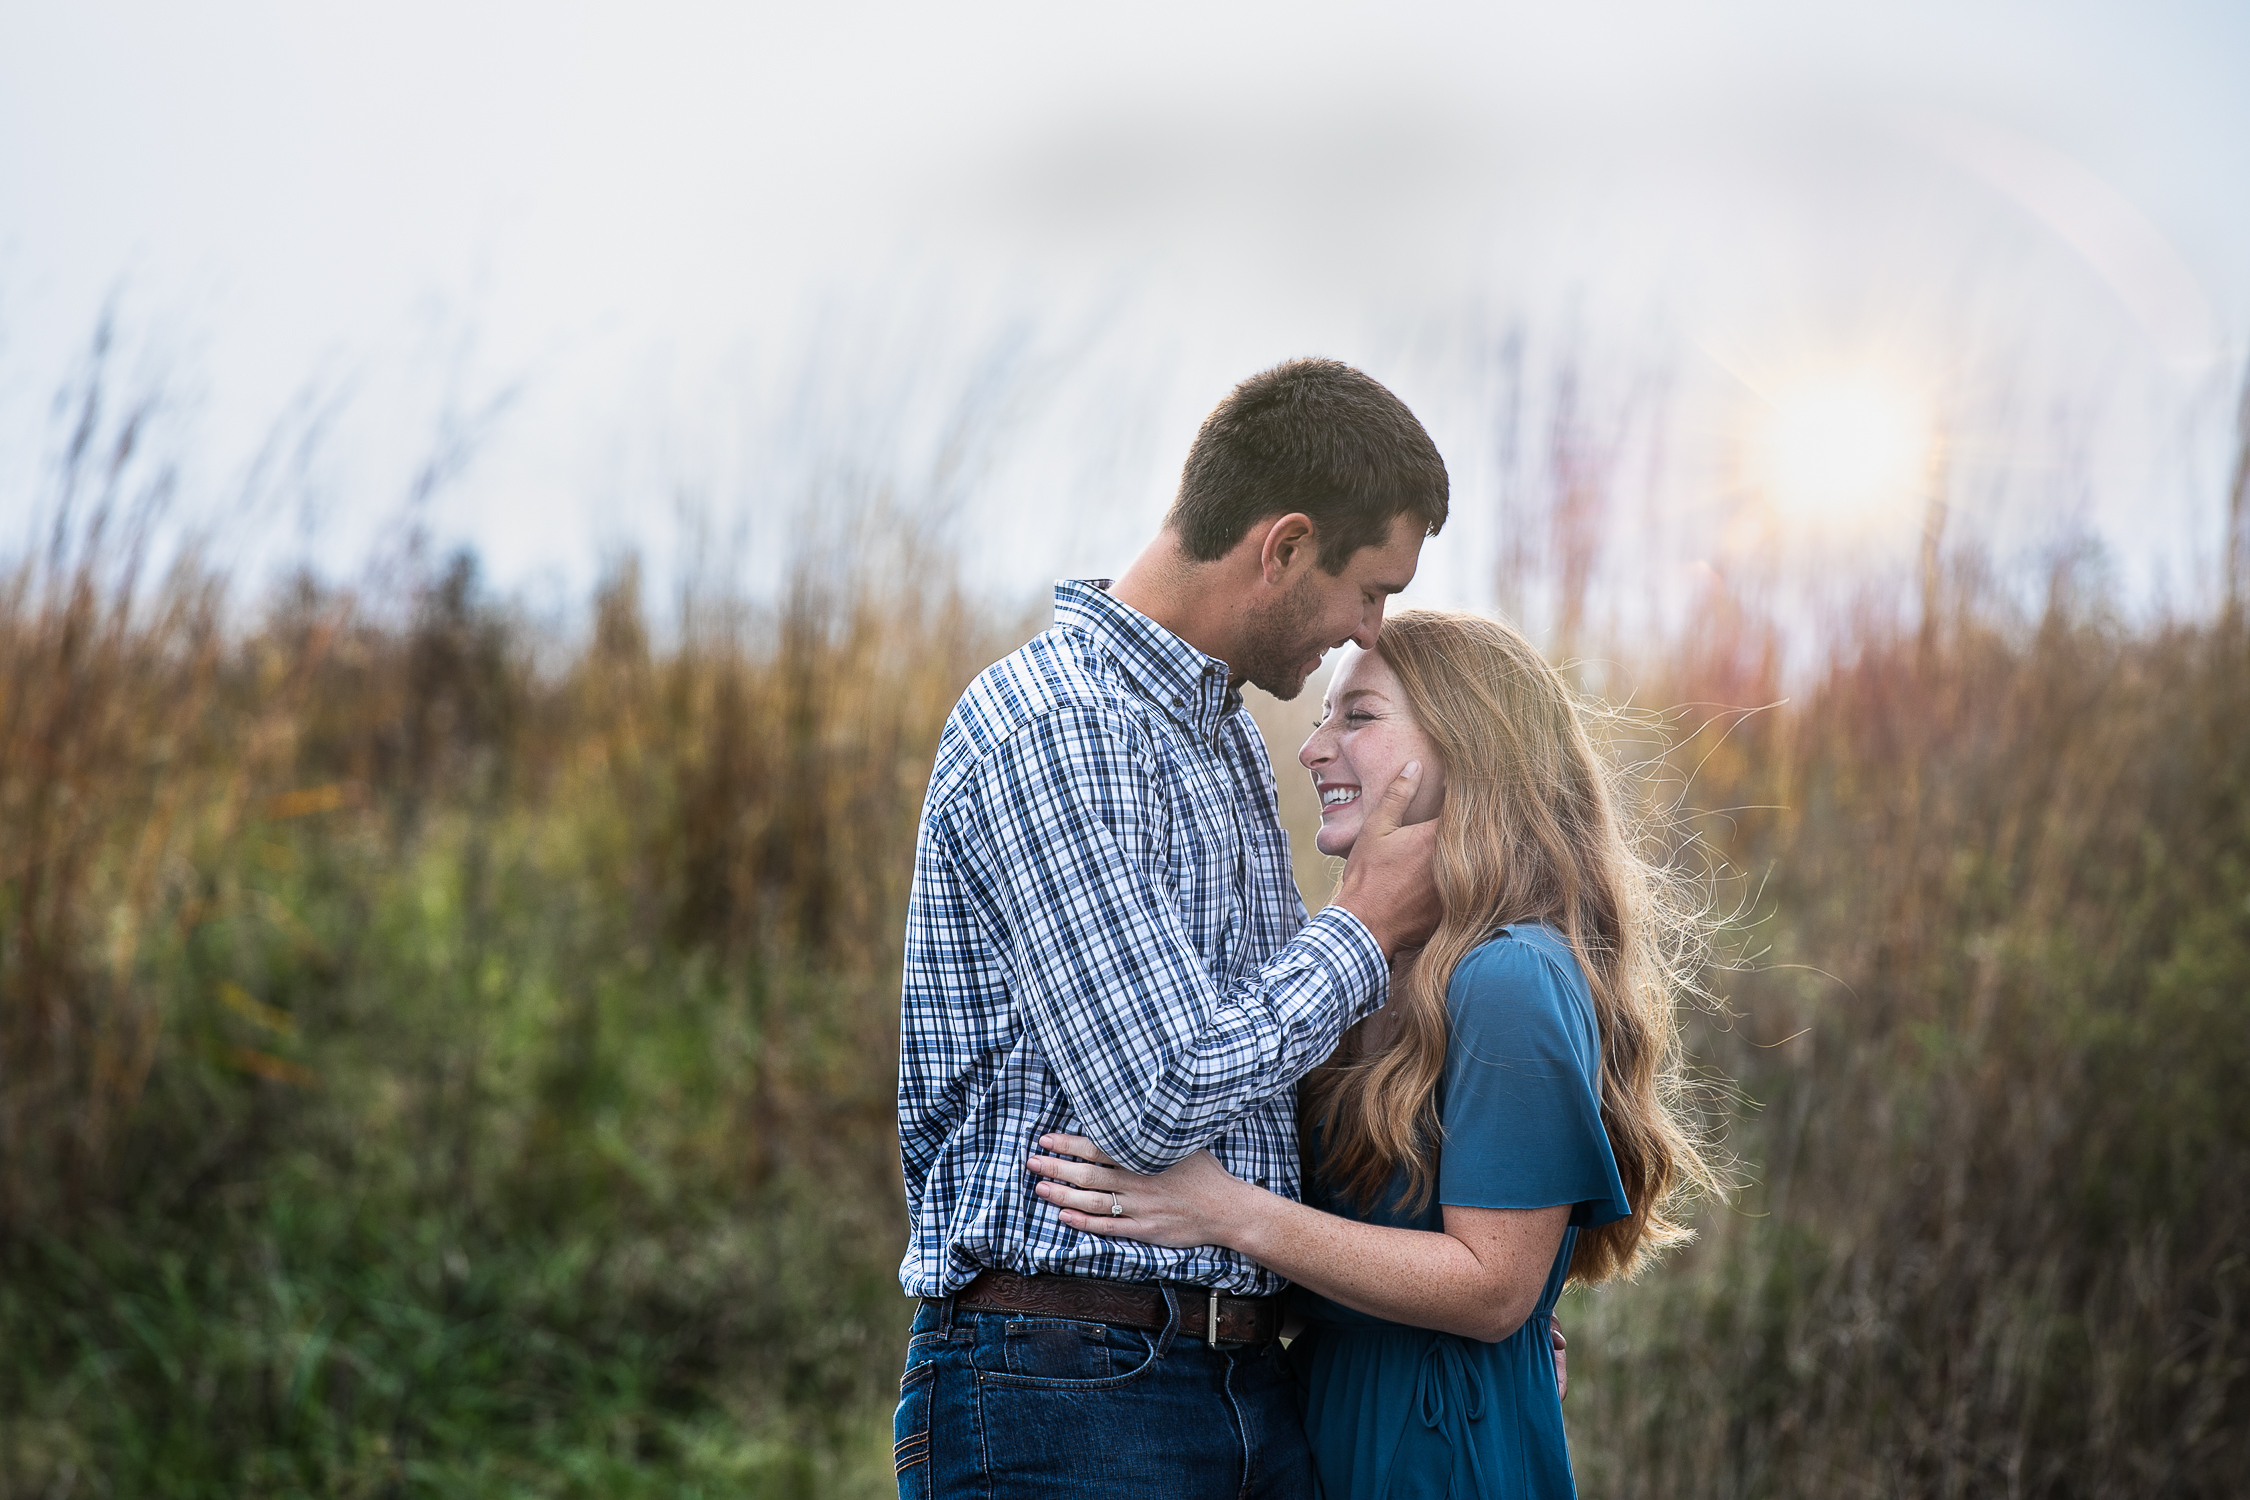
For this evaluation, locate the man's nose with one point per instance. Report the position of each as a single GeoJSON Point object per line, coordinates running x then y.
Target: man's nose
{"type": "Point", "coordinates": [1370, 626]}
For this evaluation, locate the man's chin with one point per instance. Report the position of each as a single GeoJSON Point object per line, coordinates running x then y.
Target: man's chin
{"type": "Point", "coordinates": [1284, 688]}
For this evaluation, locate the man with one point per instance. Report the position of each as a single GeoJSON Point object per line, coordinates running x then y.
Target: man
{"type": "Point", "coordinates": [1105, 938]}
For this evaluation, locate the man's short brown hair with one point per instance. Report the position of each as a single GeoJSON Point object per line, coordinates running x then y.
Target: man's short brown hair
{"type": "Point", "coordinates": [1315, 436]}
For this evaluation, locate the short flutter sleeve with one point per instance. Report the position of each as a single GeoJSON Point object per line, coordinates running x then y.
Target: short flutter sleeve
{"type": "Point", "coordinates": [1520, 1101]}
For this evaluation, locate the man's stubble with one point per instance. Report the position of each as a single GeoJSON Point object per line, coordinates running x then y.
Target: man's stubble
{"type": "Point", "coordinates": [1279, 641]}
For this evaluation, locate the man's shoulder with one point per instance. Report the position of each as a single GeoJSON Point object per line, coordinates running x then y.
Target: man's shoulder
{"type": "Point", "coordinates": [1053, 678]}
{"type": "Point", "coordinates": [1056, 671]}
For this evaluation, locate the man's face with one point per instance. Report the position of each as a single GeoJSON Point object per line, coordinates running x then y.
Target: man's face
{"type": "Point", "coordinates": [1318, 611]}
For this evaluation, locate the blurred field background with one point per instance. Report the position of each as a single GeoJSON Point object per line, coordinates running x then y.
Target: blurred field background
{"type": "Point", "coordinates": [443, 1052]}
{"type": "Point", "coordinates": [475, 618]}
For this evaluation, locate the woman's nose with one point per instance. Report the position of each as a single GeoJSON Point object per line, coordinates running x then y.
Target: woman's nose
{"type": "Point", "coordinates": [1315, 752]}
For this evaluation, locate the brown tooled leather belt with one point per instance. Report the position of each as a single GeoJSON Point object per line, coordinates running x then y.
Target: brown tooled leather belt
{"type": "Point", "coordinates": [1128, 1304]}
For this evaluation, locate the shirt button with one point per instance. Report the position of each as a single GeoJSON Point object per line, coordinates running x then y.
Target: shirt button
{"type": "Point", "coordinates": [1177, 702]}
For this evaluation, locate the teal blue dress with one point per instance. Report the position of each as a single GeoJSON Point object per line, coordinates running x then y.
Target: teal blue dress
{"type": "Point", "coordinates": [1400, 1413]}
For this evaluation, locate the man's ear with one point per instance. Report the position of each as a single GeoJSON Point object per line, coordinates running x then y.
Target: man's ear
{"type": "Point", "coordinates": [1290, 543]}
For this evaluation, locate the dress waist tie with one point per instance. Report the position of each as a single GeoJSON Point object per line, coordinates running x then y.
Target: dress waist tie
{"type": "Point", "coordinates": [1448, 1395]}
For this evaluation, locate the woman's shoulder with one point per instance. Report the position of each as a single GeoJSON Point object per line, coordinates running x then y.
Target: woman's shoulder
{"type": "Point", "coordinates": [1519, 956]}
{"type": "Point", "coordinates": [1520, 1099]}
{"type": "Point", "coordinates": [1524, 976]}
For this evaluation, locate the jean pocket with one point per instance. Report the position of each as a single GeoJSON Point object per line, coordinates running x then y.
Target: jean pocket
{"type": "Point", "coordinates": [1063, 1354]}
{"type": "Point", "coordinates": [910, 1432]}
{"type": "Point", "coordinates": [1056, 1349]}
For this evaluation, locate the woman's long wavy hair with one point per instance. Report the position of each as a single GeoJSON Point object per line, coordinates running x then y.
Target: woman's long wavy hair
{"type": "Point", "coordinates": [1533, 830]}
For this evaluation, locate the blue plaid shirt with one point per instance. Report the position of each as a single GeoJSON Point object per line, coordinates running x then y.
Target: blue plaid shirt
{"type": "Point", "coordinates": [1104, 937]}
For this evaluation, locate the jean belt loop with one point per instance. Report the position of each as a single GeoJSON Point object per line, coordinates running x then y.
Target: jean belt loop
{"type": "Point", "coordinates": [1171, 1318]}
{"type": "Point", "coordinates": [945, 1316]}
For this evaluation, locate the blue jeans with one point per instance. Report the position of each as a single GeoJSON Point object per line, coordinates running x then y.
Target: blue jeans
{"type": "Point", "coordinates": [1005, 1406]}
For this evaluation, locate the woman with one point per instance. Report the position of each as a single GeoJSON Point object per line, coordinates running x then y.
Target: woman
{"type": "Point", "coordinates": [1506, 1124]}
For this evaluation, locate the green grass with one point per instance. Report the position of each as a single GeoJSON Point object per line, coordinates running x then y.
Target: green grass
{"type": "Point", "coordinates": [523, 1225]}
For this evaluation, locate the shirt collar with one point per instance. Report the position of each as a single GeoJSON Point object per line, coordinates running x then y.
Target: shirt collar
{"type": "Point", "coordinates": [1172, 674]}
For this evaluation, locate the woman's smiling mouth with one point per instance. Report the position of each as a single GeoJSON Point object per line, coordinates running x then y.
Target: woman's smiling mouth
{"type": "Point", "coordinates": [1337, 796]}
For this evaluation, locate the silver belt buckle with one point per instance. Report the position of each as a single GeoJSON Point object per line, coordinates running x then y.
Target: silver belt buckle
{"type": "Point", "coordinates": [1211, 1322]}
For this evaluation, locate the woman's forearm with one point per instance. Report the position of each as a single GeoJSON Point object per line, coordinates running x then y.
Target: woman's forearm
{"type": "Point", "coordinates": [1481, 1283]}
{"type": "Point", "coordinates": [1480, 1277]}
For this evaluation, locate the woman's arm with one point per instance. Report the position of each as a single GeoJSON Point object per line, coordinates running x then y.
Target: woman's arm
{"type": "Point", "coordinates": [1480, 1278]}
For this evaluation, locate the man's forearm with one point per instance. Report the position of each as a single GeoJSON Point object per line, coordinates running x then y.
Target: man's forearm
{"type": "Point", "coordinates": [1274, 1028]}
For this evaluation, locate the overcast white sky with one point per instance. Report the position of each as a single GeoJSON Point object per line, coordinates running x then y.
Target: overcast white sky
{"type": "Point", "coordinates": [727, 249]}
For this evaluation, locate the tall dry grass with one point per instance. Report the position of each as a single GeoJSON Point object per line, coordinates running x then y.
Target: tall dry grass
{"type": "Point", "coordinates": [437, 1054]}
{"type": "Point", "coordinates": [1994, 1035]}
{"type": "Point", "coordinates": [126, 749]}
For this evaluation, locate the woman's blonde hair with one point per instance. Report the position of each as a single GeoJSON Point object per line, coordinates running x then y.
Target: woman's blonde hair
{"type": "Point", "coordinates": [1532, 830]}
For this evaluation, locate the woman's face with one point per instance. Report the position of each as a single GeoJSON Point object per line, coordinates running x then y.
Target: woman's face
{"type": "Point", "coordinates": [1365, 738]}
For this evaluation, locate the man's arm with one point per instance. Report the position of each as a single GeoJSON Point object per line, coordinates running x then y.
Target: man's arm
{"type": "Point", "coordinates": [1062, 835]}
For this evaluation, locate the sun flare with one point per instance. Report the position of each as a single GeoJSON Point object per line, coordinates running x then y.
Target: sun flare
{"type": "Point", "coordinates": [1847, 450]}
